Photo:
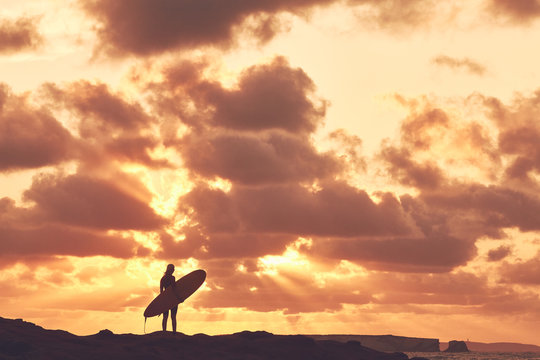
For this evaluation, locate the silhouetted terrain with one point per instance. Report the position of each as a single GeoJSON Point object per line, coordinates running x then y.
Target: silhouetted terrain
{"type": "Point", "coordinates": [24, 340]}
{"type": "Point", "coordinates": [497, 347]}
{"type": "Point", "coordinates": [388, 343]}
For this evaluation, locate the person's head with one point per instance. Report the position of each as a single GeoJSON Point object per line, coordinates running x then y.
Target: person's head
{"type": "Point", "coordinates": [170, 269]}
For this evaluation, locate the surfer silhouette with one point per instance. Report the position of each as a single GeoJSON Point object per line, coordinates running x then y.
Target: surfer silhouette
{"type": "Point", "coordinates": [166, 281]}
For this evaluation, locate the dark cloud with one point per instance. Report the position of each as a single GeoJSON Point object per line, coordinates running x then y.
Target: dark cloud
{"type": "Point", "coordinates": [421, 288]}
{"type": "Point", "coordinates": [457, 288]}
{"type": "Point", "coordinates": [467, 64]}
{"type": "Point", "coordinates": [522, 142]}
{"type": "Point", "coordinates": [144, 27]}
{"type": "Point", "coordinates": [100, 110]}
{"type": "Point", "coordinates": [514, 303]}
{"type": "Point", "coordinates": [245, 245]}
{"type": "Point", "coordinates": [257, 132]}
{"type": "Point", "coordinates": [273, 157]}
{"type": "Point", "coordinates": [267, 96]}
{"type": "Point", "coordinates": [492, 206]}
{"type": "Point", "coordinates": [55, 240]}
{"type": "Point", "coordinates": [432, 254]}
{"type": "Point", "coordinates": [517, 10]}
{"type": "Point", "coordinates": [519, 134]}
{"type": "Point", "coordinates": [223, 245]}
{"type": "Point", "coordinates": [84, 201]}
{"type": "Point", "coordinates": [109, 124]}
{"type": "Point", "coordinates": [30, 136]}
{"type": "Point", "coordinates": [499, 253]}
{"type": "Point", "coordinates": [525, 273]}
{"type": "Point", "coordinates": [335, 209]}
{"type": "Point", "coordinates": [418, 131]}
{"type": "Point", "coordinates": [18, 35]}
{"type": "Point", "coordinates": [402, 167]}
{"type": "Point", "coordinates": [23, 238]}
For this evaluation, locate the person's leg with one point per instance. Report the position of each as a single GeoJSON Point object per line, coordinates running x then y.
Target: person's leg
{"type": "Point", "coordinates": [174, 310]}
{"type": "Point", "coordinates": [164, 321]}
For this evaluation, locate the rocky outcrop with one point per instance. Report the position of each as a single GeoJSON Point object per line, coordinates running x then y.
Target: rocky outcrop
{"type": "Point", "coordinates": [498, 347]}
{"type": "Point", "coordinates": [23, 340]}
{"type": "Point", "coordinates": [387, 342]}
{"type": "Point", "coordinates": [457, 347]}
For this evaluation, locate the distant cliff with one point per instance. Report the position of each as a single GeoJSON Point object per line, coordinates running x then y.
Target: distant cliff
{"type": "Point", "coordinates": [497, 347]}
{"type": "Point", "coordinates": [387, 342]}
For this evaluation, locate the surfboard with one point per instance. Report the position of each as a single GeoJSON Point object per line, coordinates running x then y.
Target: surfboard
{"type": "Point", "coordinates": [174, 295]}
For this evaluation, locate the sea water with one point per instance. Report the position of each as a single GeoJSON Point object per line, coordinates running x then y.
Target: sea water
{"type": "Point", "coordinates": [473, 355]}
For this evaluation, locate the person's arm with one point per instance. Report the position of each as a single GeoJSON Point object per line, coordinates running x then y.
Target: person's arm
{"type": "Point", "coordinates": [161, 286]}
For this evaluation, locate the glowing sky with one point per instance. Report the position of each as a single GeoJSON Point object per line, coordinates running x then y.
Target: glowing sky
{"type": "Point", "coordinates": [336, 166]}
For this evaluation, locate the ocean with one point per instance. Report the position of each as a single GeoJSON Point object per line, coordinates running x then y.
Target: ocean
{"type": "Point", "coordinates": [477, 356]}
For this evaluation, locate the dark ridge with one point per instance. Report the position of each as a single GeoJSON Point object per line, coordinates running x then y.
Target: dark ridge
{"type": "Point", "coordinates": [24, 340]}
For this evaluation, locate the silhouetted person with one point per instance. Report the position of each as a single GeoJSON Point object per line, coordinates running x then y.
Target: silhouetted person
{"type": "Point", "coordinates": [166, 281]}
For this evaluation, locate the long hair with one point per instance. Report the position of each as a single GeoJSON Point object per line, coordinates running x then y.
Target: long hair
{"type": "Point", "coordinates": [170, 269]}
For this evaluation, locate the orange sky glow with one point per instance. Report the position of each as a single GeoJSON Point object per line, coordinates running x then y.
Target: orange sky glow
{"type": "Point", "coordinates": [336, 166]}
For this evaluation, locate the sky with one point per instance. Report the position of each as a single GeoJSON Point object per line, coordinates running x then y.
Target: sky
{"type": "Point", "coordinates": [336, 166]}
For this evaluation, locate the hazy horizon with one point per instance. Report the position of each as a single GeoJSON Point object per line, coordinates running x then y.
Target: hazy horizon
{"type": "Point", "coordinates": [336, 166]}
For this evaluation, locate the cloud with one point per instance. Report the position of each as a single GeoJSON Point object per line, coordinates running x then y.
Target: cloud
{"type": "Point", "coordinates": [422, 127]}
{"type": "Point", "coordinates": [30, 136]}
{"type": "Point", "coordinates": [281, 188]}
{"type": "Point", "coordinates": [499, 253]}
{"type": "Point", "coordinates": [525, 273]}
{"type": "Point", "coordinates": [405, 170]}
{"type": "Point", "coordinates": [55, 240]}
{"type": "Point", "coordinates": [490, 206]}
{"type": "Point", "coordinates": [267, 96]}
{"type": "Point", "coordinates": [243, 245]}
{"type": "Point", "coordinates": [397, 15]}
{"type": "Point", "coordinates": [254, 133]}
{"type": "Point", "coordinates": [287, 290]}
{"type": "Point", "coordinates": [19, 35]}
{"type": "Point", "coordinates": [23, 238]}
{"type": "Point", "coordinates": [519, 134]}
{"type": "Point", "coordinates": [272, 157]}
{"type": "Point", "coordinates": [84, 201]}
{"type": "Point", "coordinates": [406, 235]}
{"type": "Point", "coordinates": [405, 160]}
{"type": "Point", "coordinates": [517, 10]}
{"type": "Point", "coordinates": [467, 64]}
{"type": "Point", "coordinates": [99, 108]}
{"type": "Point", "coordinates": [109, 124]}
{"type": "Point", "coordinates": [145, 27]}
{"type": "Point", "coordinates": [336, 209]}
{"type": "Point", "coordinates": [435, 253]}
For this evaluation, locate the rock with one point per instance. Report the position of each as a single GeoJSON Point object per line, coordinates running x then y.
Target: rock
{"type": "Point", "coordinates": [23, 340]}
{"type": "Point", "coordinates": [105, 333]}
{"type": "Point", "coordinates": [457, 347]}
